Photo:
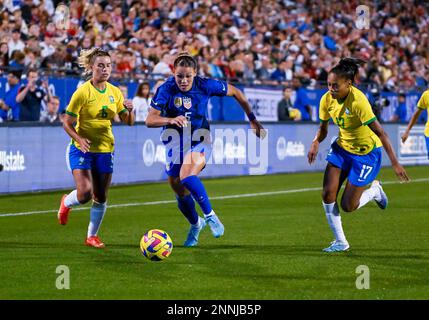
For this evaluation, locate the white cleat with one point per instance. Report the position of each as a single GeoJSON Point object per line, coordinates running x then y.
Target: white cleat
{"type": "Point", "coordinates": [337, 246]}
{"type": "Point", "coordinates": [382, 200]}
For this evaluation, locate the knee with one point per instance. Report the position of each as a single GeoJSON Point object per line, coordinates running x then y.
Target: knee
{"type": "Point", "coordinates": [177, 187]}
{"type": "Point", "coordinates": [328, 196]}
{"type": "Point", "coordinates": [183, 175]}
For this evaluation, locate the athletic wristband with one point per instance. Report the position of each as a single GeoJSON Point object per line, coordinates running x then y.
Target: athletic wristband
{"type": "Point", "coordinates": [251, 116]}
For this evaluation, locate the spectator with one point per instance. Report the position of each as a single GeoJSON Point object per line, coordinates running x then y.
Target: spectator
{"type": "Point", "coordinates": [51, 114]}
{"type": "Point", "coordinates": [4, 56]}
{"type": "Point", "coordinates": [162, 68]}
{"type": "Point", "coordinates": [3, 111]}
{"type": "Point", "coordinates": [48, 47]}
{"type": "Point", "coordinates": [301, 103]}
{"type": "Point", "coordinates": [141, 102]}
{"type": "Point", "coordinates": [31, 95]}
{"type": "Point", "coordinates": [18, 61]}
{"type": "Point", "coordinates": [12, 88]}
{"type": "Point", "coordinates": [400, 114]}
{"type": "Point", "coordinates": [285, 105]}
{"type": "Point", "coordinates": [15, 43]}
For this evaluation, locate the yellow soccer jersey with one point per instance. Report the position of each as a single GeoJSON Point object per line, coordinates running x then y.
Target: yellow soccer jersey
{"type": "Point", "coordinates": [94, 110]}
{"type": "Point", "coordinates": [424, 104]}
{"type": "Point", "coordinates": [352, 117]}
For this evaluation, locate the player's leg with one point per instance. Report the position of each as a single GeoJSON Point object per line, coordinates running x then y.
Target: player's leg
{"type": "Point", "coordinates": [363, 172]}
{"type": "Point", "coordinates": [101, 183]}
{"type": "Point", "coordinates": [101, 179]}
{"type": "Point", "coordinates": [193, 163]}
{"type": "Point", "coordinates": [186, 205]}
{"type": "Point", "coordinates": [80, 164]}
{"type": "Point", "coordinates": [332, 181]}
{"type": "Point", "coordinates": [185, 202]}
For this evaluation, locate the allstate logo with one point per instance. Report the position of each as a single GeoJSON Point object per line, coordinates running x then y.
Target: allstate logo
{"type": "Point", "coordinates": [148, 153]}
{"type": "Point", "coordinates": [281, 148]}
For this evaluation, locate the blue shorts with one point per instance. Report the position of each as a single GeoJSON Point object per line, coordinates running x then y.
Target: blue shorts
{"type": "Point", "coordinates": [174, 162]}
{"type": "Point", "coordinates": [101, 162]}
{"type": "Point", "coordinates": [361, 169]}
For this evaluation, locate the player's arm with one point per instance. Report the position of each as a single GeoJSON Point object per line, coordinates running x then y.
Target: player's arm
{"type": "Point", "coordinates": [127, 115]}
{"type": "Point", "coordinates": [68, 125]}
{"type": "Point", "coordinates": [244, 103]}
{"type": "Point", "coordinates": [321, 134]}
{"type": "Point", "coordinates": [412, 122]}
{"type": "Point", "coordinates": [379, 131]}
{"type": "Point", "coordinates": [155, 120]}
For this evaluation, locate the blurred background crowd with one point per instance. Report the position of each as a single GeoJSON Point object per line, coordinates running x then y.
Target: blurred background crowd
{"type": "Point", "coordinates": [248, 41]}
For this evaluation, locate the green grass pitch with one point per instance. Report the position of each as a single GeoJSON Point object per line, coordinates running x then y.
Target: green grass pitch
{"type": "Point", "coordinates": [271, 248]}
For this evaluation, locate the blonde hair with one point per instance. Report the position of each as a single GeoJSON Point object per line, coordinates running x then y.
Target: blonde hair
{"type": "Point", "coordinates": [87, 57]}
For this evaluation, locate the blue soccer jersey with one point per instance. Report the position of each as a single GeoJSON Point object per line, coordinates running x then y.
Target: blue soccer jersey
{"type": "Point", "coordinates": [192, 104]}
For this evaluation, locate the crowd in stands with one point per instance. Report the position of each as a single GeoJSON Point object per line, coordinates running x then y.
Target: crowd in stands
{"type": "Point", "coordinates": [257, 41]}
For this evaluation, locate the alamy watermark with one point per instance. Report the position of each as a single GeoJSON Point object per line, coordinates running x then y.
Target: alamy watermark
{"type": "Point", "coordinates": [62, 17]}
{"type": "Point", "coordinates": [363, 278]}
{"type": "Point", "coordinates": [362, 17]}
{"type": "Point", "coordinates": [63, 280]}
{"type": "Point", "coordinates": [222, 146]}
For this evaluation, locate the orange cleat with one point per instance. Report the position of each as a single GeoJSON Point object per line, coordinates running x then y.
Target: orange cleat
{"type": "Point", "coordinates": [95, 242]}
{"type": "Point", "coordinates": [63, 212]}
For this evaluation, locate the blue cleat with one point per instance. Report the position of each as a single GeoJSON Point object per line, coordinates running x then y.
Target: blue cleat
{"type": "Point", "coordinates": [194, 232]}
{"type": "Point", "coordinates": [381, 201]}
{"type": "Point", "coordinates": [337, 246]}
{"type": "Point", "coordinates": [215, 225]}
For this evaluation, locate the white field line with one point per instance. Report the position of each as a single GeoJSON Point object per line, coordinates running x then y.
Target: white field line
{"type": "Point", "coordinates": [234, 196]}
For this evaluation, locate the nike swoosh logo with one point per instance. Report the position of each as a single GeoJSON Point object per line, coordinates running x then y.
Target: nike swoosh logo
{"type": "Point", "coordinates": [154, 103]}
{"type": "Point", "coordinates": [223, 87]}
{"type": "Point", "coordinates": [92, 100]}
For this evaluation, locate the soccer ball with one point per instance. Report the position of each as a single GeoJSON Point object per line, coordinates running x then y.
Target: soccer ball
{"type": "Point", "coordinates": [156, 245]}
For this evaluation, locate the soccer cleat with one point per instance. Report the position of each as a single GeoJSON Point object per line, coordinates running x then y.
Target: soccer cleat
{"type": "Point", "coordinates": [215, 225]}
{"type": "Point", "coordinates": [63, 212]}
{"type": "Point", "coordinates": [337, 246]}
{"type": "Point", "coordinates": [95, 242]}
{"type": "Point", "coordinates": [383, 200]}
{"type": "Point", "coordinates": [194, 232]}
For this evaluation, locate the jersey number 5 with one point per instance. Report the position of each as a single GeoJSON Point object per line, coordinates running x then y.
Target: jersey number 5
{"type": "Point", "coordinates": [188, 116]}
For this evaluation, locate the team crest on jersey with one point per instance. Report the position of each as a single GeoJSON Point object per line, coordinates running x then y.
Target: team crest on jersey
{"type": "Point", "coordinates": [187, 102]}
{"type": "Point", "coordinates": [111, 99]}
{"type": "Point", "coordinates": [347, 111]}
{"type": "Point", "coordinates": [177, 102]}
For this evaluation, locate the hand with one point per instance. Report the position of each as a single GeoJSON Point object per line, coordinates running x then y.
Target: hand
{"type": "Point", "coordinates": [258, 129]}
{"type": "Point", "coordinates": [179, 121]}
{"type": "Point", "coordinates": [405, 136]}
{"type": "Point", "coordinates": [85, 144]}
{"type": "Point", "coordinates": [128, 104]}
{"type": "Point", "coordinates": [31, 83]}
{"type": "Point", "coordinates": [3, 106]}
{"type": "Point", "coordinates": [401, 173]}
{"type": "Point", "coordinates": [312, 153]}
